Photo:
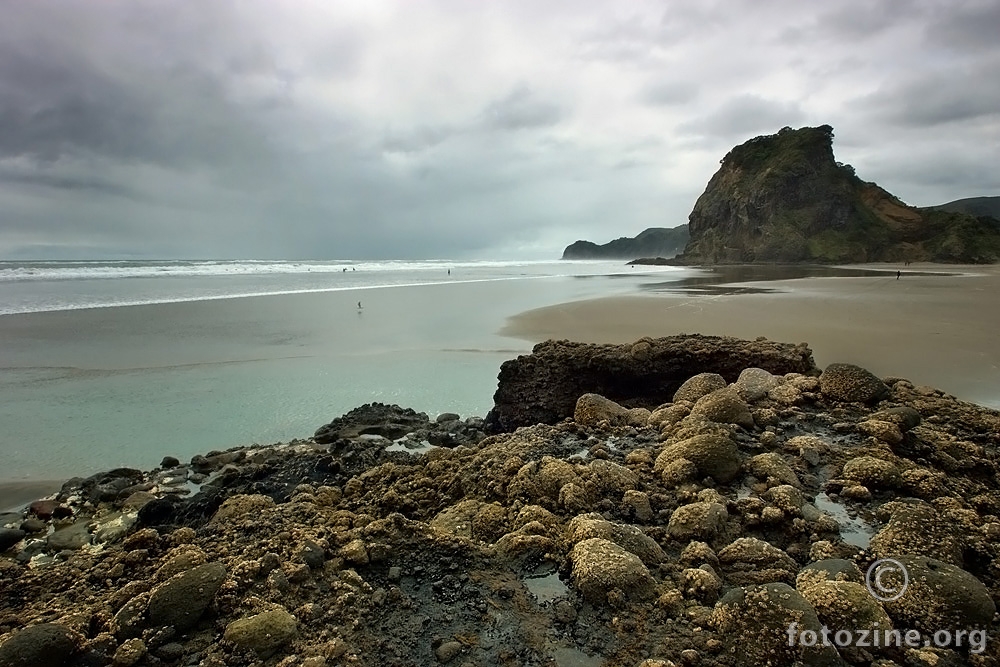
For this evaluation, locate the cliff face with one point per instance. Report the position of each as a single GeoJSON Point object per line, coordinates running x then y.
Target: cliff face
{"type": "Point", "coordinates": [784, 198]}
{"type": "Point", "coordinates": [653, 242]}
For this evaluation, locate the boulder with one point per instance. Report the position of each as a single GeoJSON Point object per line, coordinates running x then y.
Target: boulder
{"type": "Point", "coordinates": [70, 538]}
{"type": "Point", "coordinates": [725, 407]}
{"type": "Point", "coordinates": [843, 605]}
{"type": "Point", "coordinates": [904, 417]}
{"type": "Point", "coordinates": [699, 385]}
{"type": "Point", "coordinates": [9, 537]}
{"type": "Point", "coordinates": [611, 479]}
{"type": "Point", "coordinates": [851, 384]}
{"type": "Point", "coordinates": [830, 569]}
{"type": "Point", "coordinates": [241, 506]}
{"type": "Point", "coordinates": [872, 472]}
{"type": "Point", "coordinates": [389, 421]}
{"type": "Point", "coordinates": [772, 465]}
{"type": "Point", "coordinates": [697, 521]}
{"type": "Point", "coordinates": [749, 560]}
{"type": "Point", "coordinates": [180, 601]}
{"type": "Point", "coordinates": [938, 596]}
{"type": "Point", "coordinates": [43, 645]}
{"type": "Point", "coordinates": [263, 633]}
{"type": "Point", "coordinates": [715, 456]}
{"type": "Point", "coordinates": [754, 624]}
{"type": "Point", "coordinates": [918, 528]}
{"type": "Point", "coordinates": [601, 566]}
{"type": "Point", "coordinates": [543, 387]}
{"type": "Point", "coordinates": [630, 538]}
{"type": "Point", "coordinates": [592, 409]}
{"type": "Point", "coordinates": [754, 383]}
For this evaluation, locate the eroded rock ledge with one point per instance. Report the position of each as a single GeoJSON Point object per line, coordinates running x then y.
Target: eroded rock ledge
{"type": "Point", "coordinates": [542, 387]}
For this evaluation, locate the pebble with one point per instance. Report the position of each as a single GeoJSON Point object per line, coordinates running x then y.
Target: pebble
{"type": "Point", "coordinates": [447, 651]}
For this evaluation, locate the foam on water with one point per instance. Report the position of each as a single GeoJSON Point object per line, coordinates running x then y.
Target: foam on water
{"type": "Point", "coordinates": [28, 287]}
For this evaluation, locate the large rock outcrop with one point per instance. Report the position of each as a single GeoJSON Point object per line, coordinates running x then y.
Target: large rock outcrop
{"type": "Point", "coordinates": [543, 387]}
{"type": "Point", "coordinates": [653, 242]}
{"type": "Point", "coordinates": [784, 198]}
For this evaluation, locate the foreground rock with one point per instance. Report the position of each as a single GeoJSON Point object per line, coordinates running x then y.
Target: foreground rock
{"type": "Point", "coordinates": [543, 387]}
{"type": "Point", "coordinates": [636, 534]}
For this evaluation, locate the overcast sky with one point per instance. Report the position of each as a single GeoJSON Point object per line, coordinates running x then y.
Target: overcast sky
{"type": "Point", "coordinates": [458, 128]}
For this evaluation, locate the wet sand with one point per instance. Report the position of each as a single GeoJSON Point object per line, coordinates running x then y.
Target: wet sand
{"type": "Point", "coordinates": [938, 330]}
{"type": "Point", "coordinates": [15, 495]}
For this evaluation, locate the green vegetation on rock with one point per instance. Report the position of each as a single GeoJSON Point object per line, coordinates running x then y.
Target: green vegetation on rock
{"type": "Point", "coordinates": [653, 242]}
{"type": "Point", "coordinates": [784, 198]}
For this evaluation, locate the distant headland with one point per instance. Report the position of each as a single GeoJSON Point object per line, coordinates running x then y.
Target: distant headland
{"type": "Point", "coordinates": [783, 198]}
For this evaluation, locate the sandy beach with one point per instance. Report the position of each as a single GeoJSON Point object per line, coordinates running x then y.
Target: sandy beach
{"type": "Point", "coordinates": [938, 330]}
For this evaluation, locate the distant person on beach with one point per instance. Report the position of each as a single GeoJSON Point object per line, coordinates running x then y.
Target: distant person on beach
{"type": "Point", "coordinates": [359, 305]}
{"type": "Point", "coordinates": [449, 272]}
{"type": "Point", "coordinates": [897, 275]}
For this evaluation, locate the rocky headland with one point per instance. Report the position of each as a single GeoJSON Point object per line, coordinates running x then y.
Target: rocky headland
{"type": "Point", "coordinates": [784, 198]}
{"type": "Point", "coordinates": [653, 242]}
{"type": "Point", "coordinates": [686, 516]}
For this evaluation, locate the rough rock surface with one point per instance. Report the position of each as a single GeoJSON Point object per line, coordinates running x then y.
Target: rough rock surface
{"type": "Point", "coordinates": [753, 622]}
{"type": "Point", "coordinates": [939, 595]}
{"type": "Point", "coordinates": [615, 544]}
{"type": "Point", "coordinates": [262, 633]}
{"type": "Point", "coordinates": [543, 387]}
{"type": "Point", "coordinates": [699, 385]}
{"type": "Point", "coordinates": [601, 566]}
{"type": "Point", "coordinates": [715, 456]}
{"type": "Point", "coordinates": [847, 382]}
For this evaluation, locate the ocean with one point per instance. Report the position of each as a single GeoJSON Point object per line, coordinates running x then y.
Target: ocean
{"type": "Point", "coordinates": [119, 363]}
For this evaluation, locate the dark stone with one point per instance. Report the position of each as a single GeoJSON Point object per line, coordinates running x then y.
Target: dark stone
{"type": "Point", "coordinates": [33, 526]}
{"type": "Point", "coordinates": [170, 652]}
{"type": "Point", "coordinates": [45, 645]}
{"type": "Point", "coordinates": [43, 509]}
{"type": "Point", "coordinates": [390, 421]}
{"type": "Point", "coordinates": [169, 462]}
{"type": "Point", "coordinates": [158, 511]}
{"type": "Point", "coordinates": [106, 486]}
{"type": "Point", "coordinates": [70, 538]}
{"type": "Point", "coordinates": [852, 384]}
{"type": "Point", "coordinates": [543, 387]}
{"type": "Point", "coordinates": [182, 600]}
{"type": "Point", "coordinates": [9, 537]}
{"type": "Point", "coordinates": [312, 555]}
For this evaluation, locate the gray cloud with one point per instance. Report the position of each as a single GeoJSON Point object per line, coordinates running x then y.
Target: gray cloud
{"type": "Point", "coordinates": [667, 93]}
{"type": "Point", "coordinates": [954, 95]}
{"type": "Point", "coordinates": [256, 128]}
{"type": "Point", "coordinates": [746, 116]}
{"type": "Point", "coordinates": [521, 109]}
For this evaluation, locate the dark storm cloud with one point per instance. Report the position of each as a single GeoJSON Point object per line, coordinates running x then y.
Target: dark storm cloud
{"type": "Point", "coordinates": [47, 180]}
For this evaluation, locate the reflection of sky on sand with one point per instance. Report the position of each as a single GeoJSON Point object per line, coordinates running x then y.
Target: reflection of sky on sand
{"type": "Point", "coordinates": [726, 280]}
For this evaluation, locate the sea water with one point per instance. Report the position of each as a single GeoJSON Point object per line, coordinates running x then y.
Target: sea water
{"type": "Point", "coordinates": [119, 363]}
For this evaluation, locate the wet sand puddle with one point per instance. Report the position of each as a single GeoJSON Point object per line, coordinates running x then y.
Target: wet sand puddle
{"type": "Point", "coordinates": [854, 529]}
{"type": "Point", "coordinates": [545, 585]}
